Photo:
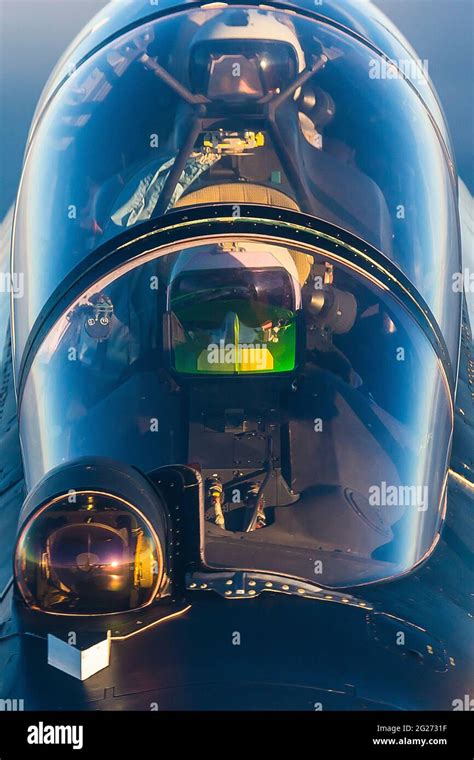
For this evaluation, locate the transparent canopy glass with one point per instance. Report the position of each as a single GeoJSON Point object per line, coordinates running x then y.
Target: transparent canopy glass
{"type": "Point", "coordinates": [236, 105]}
{"type": "Point", "coordinates": [339, 402]}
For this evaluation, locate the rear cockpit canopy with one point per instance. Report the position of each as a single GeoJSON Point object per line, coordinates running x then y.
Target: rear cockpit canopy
{"type": "Point", "coordinates": [236, 105]}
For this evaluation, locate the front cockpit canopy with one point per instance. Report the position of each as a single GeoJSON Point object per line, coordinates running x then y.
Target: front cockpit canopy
{"type": "Point", "coordinates": [306, 389]}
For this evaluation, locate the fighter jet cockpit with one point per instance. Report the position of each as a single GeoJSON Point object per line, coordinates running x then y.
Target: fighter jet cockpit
{"type": "Point", "coordinates": [237, 235]}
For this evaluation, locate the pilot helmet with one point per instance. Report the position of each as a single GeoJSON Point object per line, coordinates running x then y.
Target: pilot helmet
{"type": "Point", "coordinates": [244, 54]}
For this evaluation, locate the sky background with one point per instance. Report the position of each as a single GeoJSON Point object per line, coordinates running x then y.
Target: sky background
{"type": "Point", "coordinates": [34, 33]}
